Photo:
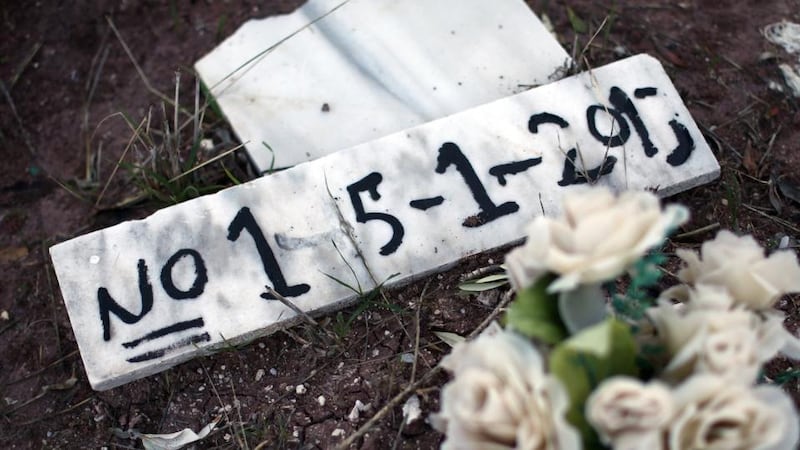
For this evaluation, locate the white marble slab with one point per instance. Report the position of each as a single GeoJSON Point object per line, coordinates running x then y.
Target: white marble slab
{"type": "Point", "coordinates": [499, 165]}
{"type": "Point", "coordinates": [371, 68]}
{"type": "Point", "coordinates": [298, 222]}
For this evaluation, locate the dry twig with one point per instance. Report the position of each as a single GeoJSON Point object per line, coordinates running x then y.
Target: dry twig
{"type": "Point", "coordinates": [410, 389]}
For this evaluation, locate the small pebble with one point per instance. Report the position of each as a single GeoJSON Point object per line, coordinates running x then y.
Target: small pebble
{"type": "Point", "coordinates": [359, 407]}
{"type": "Point", "coordinates": [411, 409]}
{"type": "Point", "coordinates": [300, 389]}
{"type": "Point", "coordinates": [207, 144]}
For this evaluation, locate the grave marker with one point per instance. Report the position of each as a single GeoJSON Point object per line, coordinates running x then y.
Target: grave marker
{"type": "Point", "coordinates": [371, 68]}
{"type": "Point", "coordinates": [145, 295]}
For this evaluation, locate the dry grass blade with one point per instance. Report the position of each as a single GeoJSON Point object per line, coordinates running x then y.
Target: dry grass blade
{"type": "Point", "coordinates": [63, 411]}
{"type": "Point", "coordinates": [69, 383]}
{"type": "Point", "coordinates": [23, 131]}
{"type": "Point", "coordinates": [698, 231]}
{"type": "Point", "coordinates": [96, 70]}
{"type": "Point", "coordinates": [777, 220]}
{"type": "Point", "coordinates": [25, 62]}
{"type": "Point", "coordinates": [417, 333]}
{"type": "Point", "coordinates": [138, 68]}
{"type": "Point", "coordinates": [203, 164]}
{"type": "Point", "coordinates": [116, 166]}
{"type": "Point", "coordinates": [255, 59]}
{"type": "Point", "coordinates": [292, 306]}
{"type": "Point", "coordinates": [599, 29]}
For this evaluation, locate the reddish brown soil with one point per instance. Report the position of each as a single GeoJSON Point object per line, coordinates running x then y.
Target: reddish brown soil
{"type": "Point", "coordinates": [712, 50]}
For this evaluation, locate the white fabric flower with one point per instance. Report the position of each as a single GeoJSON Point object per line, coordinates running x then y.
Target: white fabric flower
{"type": "Point", "coordinates": [721, 341]}
{"type": "Point", "coordinates": [715, 415]}
{"type": "Point", "coordinates": [599, 236]}
{"type": "Point", "coordinates": [710, 333]}
{"type": "Point", "coordinates": [738, 264]}
{"type": "Point", "coordinates": [501, 398]}
{"type": "Point", "coordinates": [630, 415]}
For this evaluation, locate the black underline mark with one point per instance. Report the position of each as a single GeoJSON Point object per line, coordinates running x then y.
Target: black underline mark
{"type": "Point", "coordinates": [500, 171]}
{"type": "Point", "coordinates": [425, 203]}
{"type": "Point", "coordinates": [163, 351]}
{"type": "Point", "coordinates": [174, 328]}
{"type": "Point", "coordinates": [645, 92]}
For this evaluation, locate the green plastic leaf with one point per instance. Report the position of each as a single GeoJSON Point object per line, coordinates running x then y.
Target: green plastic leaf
{"type": "Point", "coordinates": [494, 277]}
{"type": "Point", "coordinates": [582, 307]}
{"type": "Point", "coordinates": [582, 362]}
{"type": "Point", "coordinates": [486, 283]}
{"type": "Point", "coordinates": [534, 313]}
{"type": "Point", "coordinates": [578, 25]}
{"type": "Point", "coordinates": [644, 273]}
{"type": "Point", "coordinates": [482, 286]}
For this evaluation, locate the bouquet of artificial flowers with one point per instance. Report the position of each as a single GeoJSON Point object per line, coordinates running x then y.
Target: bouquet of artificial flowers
{"type": "Point", "coordinates": [580, 366]}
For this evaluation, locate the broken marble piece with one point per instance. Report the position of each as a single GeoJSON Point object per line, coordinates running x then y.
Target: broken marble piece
{"type": "Point", "coordinates": [368, 68]}
{"type": "Point", "coordinates": [487, 172]}
{"type": "Point", "coordinates": [145, 295]}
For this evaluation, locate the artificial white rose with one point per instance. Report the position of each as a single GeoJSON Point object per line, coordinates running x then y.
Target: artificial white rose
{"type": "Point", "coordinates": [630, 415]}
{"type": "Point", "coordinates": [738, 264]}
{"type": "Point", "coordinates": [725, 342]}
{"type": "Point", "coordinates": [715, 415]}
{"type": "Point", "coordinates": [596, 240]}
{"type": "Point", "coordinates": [711, 333]}
{"type": "Point", "coordinates": [501, 398]}
{"type": "Point", "coordinates": [774, 338]}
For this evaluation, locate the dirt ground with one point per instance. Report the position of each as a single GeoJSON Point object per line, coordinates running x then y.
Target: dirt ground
{"type": "Point", "coordinates": [64, 74]}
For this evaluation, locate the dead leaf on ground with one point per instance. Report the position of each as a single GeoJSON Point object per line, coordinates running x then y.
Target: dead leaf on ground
{"type": "Point", "coordinates": [10, 254]}
{"type": "Point", "coordinates": [749, 160]}
{"type": "Point", "coordinates": [450, 339]}
{"type": "Point", "coordinates": [789, 187]}
{"type": "Point", "coordinates": [170, 441]}
{"type": "Point", "coordinates": [774, 198]}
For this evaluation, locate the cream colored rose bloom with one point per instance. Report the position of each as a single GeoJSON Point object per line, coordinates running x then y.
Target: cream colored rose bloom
{"type": "Point", "coordinates": [724, 342]}
{"type": "Point", "coordinates": [501, 398]}
{"type": "Point", "coordinates": [738, 264]}
{"type": "Point", "coordinates": [596, 240]}
{"type": "Point", "coordinates": [715, 415]}
{"type": "Point", "coordinates": [712, 334]}
{"type": "Point", "coordinates": [630, 415]}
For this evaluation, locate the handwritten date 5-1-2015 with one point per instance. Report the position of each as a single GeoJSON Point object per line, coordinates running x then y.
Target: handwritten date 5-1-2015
{"type": "Point", "coordinates": [625, 120]}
